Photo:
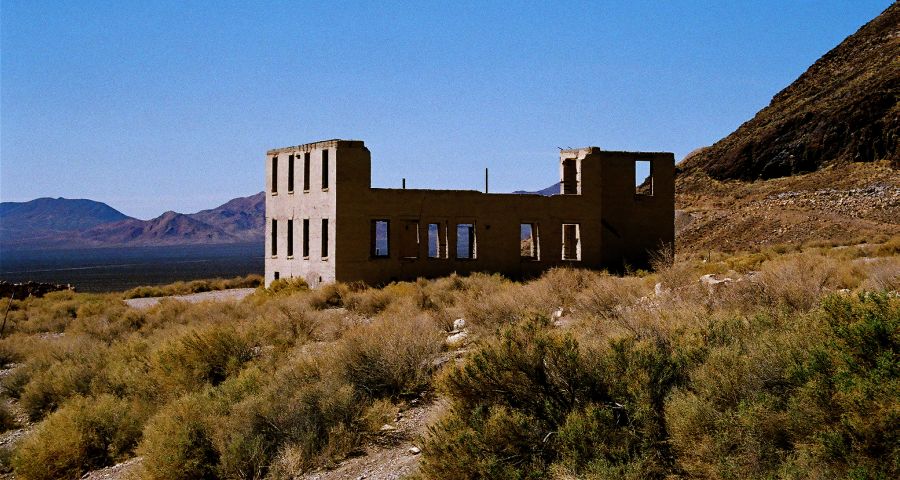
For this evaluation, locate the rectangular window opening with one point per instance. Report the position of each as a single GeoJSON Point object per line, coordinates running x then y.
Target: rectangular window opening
{"type": "Point", "coordinates": [380, 235]}
{"type": "Point", "coordinates": [305, 238]}
{"type": "Point", "coordinates": [571, 241]}
{"type": "Point", "coordinates": [276, 276]}
{"type": "Point", "coordinates": [290, 238]}
{"type": "Point", "coordinates": [528, 238]}
{"type": "Point", "coordinates": [290, 174]}
{"type": "Point", "coordinates": [437, 240]}
{"type": "Point", "coordinates": [643, 177]}
{"type": "Point", "coordinates": [274, 237]}
{"type": "Point", "coordinates": [409, 239]}
{"type": "Point", "coordinates": [466, 244]}
{"type": "Point", "coordinates": [306, 172]}
{"type": "Point", "coordinates": [570, 184]}
{"type": "Point", "coordinates": [324, 169]}
{"type": "Point", "coordinates": [275, 174]}
{"type": "Point", "coordinates": [324, 238]}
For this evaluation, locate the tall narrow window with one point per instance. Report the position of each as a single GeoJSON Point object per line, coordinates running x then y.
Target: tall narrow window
{"type": "Point", "coordinates": [571, 241]}
{"type": "Point", "coordinates": [437, 240]}
{"type": "Point", "coordinates": [290, 174]}
{"type": "Point", "coordinates": [465, 241]}
{"type": "Point", "coordinates": [528, 241]}
{"type": "Point", "coordinates": [570, 184]}
{"type": "Point", "coordinates": [306, 172]}
{"type": "Point", "coordinates": [409, 240]}
{"type": "Point", "coordinates": [380, 238]}
{"type": "Point", "coordinates": [305, 238]}
{"type": "Point", "coordinates": [324, 169]}
{"type": "Point", "coordinates": [275, 174]}
{"type": "Point", "coordinates": [643, 177]}
{"type": "Point", "coordinates": [290, 238]}
{"type": "Point", "coordinates": [324, 238]}
{"type": "Point", "coordinates": [274, 237]}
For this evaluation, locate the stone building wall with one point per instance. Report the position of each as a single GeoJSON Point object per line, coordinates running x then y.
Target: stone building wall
{"type": "Point", "coordinates": [378, 235]}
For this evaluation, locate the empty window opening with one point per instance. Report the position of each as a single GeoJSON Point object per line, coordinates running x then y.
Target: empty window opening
{"type": "Point", "coordinates": [465, 241]}
{"type": "Point", "coordinates": [274, 237]}
{"type": "Point", "coordinates": [570, 181]}
{"type": "Point", "coordinates": [290, 238]}
{"type": "Point", "coordinates": [643, 177]}
{"type": "Point", "coordinates": [290, 173]}
{"type": "Point", "coordinates": [381, 232]}
{"type": "Point", "coordinates": [275, 174]}
{"type": "Point", "coordinates": [409, 239]}
{"type": "Point", "coordinates": [437, 240]}
{"type": "Point", "coordinates": [324, 238]}
{"type": "Point", "coordinates": [305, 237]}
{"type": "Point", "coordinates": [306, 171]}
{"type": "Point", "coordinates": [571, 241]}
{"type": "Point", "coordinates": [276, 276]}
{"type": "Point", "coordinates": [528, 241]}
{"type": "Point", "coordinates": [324, 169]}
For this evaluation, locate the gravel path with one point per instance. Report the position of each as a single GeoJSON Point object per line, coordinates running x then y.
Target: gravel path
{"type": "Point", "coordinates": [392, 456]}
{"type": "Point", "coordinates": [234, 294]}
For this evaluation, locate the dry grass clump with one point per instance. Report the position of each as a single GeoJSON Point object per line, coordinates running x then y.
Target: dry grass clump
{"type": "Point", "coordinates": [391, 357]}
{"type": "Point", "coordinates": [195, 286]}
{"type": "Point", "coordinates": [86, 433]}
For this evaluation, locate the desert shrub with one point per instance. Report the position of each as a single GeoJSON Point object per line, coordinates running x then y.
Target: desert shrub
{"type": "Point", "coordinates": [15, 381]}
{"type": "Point", "coordinates": [329, 295]}
{"type": "Point", "coordinates": [488, 302]}
{"type": "Point", "coordinates": [7, 419]}
{"type": "Point", "coordinates": [391, 356]}
{"type": "Point", "coordinates": [368, 302]}
{"type": "Point", "coordinates": [814, 395]}
{"type": "Point", "coordinates": [533, 397]}
{"type": "Point", "coordinates": [105, 319]}
{"type": "Point", "coordinates": [196, 286]}
{"type": "Point", "coordinates": [49, 314]}
{"type": "Point", "coordinates": [604, 296]}
{"type": "Point", "coordinates": [881, 274]}
{"type": "Point", "coordinates": [282, 287]}
{"type": "Point", "coordinates": [795, 282]}
{"type": "Point", "coordinates": [176, 442]}
{"type": "Point", "coordinates": [65, 368]}
{"type": "Point", "coordinates": [889, 248]}
{"type": "Point", "coordinates": [284, 323]}
{"type": "Point", "coordinates": [199, 356]}
{"type": "Point", "coordinates": [83, 435]}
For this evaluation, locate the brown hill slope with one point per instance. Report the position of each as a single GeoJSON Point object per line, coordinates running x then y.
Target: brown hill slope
{"type": "Point", "coordinates": [838, 205]}
{"type": "Point", "coordinates": [842, 109]}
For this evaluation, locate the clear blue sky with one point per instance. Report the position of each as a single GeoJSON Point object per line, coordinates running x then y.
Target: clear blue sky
{"type": "Point", "coordinates": [156, 105]}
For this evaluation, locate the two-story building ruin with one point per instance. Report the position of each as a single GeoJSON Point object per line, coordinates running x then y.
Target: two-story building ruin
{"type": "Point", "coordinates": [325, 222]}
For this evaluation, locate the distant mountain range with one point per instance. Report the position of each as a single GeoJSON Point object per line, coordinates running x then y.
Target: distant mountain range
{"type": "Point", "coordinates": [65, 223]}
{"type": "Point", "coordinates": [547, 192]}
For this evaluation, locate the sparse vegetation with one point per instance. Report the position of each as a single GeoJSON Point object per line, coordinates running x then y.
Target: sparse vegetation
{"type": "Point", "coordinates": [196, 286]}
{"type": "Point", "coordinates": [784, 366]}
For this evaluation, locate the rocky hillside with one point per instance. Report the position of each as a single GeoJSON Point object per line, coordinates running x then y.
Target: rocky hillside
{"type": "Point", "coordinates": [842, 109]}
{"type": "Point", "coordinates": [243, 218]}
{"type": "Point", "coordinates": [838, 205]}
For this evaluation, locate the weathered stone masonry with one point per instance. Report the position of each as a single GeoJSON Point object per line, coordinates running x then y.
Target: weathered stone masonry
{"type": "Point", "coordinates": [325, 223]}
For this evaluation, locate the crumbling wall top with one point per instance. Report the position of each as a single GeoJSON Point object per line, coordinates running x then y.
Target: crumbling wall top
{"type": "Point", "coordinates": [333, 143]}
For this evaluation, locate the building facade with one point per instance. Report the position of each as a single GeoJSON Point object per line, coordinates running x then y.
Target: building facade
{"type": "Point", "coordinates": [325, 222]}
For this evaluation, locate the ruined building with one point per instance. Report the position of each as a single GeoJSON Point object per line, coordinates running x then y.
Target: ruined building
{"type": "Point", "coordinates": [325, 222]}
